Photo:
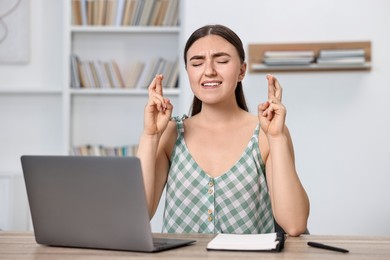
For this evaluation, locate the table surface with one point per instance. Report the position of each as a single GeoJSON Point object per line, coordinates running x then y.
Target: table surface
{"type": "Point", "coordinates": [22, 245]}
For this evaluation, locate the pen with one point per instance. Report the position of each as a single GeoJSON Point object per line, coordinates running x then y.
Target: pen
{"type": "Point", "coordinates": [323, 246]}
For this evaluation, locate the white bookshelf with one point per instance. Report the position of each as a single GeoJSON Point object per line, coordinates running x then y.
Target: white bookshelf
{"type": "Point", "coordinates": [109, 116]}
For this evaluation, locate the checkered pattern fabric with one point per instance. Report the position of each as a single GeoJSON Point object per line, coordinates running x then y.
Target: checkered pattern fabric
{"type": "Point", "coordinates": [236, 202]}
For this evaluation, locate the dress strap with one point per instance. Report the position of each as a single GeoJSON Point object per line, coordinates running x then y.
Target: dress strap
{"type": "Point", "coordinates": [257, 130]}
{"type": "Point", "coordinates": [179, 123]}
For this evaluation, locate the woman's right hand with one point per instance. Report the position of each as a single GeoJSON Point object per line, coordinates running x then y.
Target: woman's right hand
{"type": "Point", "coordinates": [158, 110]}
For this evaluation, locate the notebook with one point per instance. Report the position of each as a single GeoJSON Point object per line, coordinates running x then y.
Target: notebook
{"type": "Point", "coordinates": [90, 202]}
{"type": "Point", "coordinates": [247, 242]}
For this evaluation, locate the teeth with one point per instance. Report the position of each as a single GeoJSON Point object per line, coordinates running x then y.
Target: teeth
{"type": "Point", "coordinates": [211, 84]}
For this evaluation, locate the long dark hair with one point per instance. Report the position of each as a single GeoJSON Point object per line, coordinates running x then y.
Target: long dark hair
{"type": "Point", "coordinates": [232, 38]}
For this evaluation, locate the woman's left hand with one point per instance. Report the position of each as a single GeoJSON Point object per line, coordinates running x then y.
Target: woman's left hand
{"type": "Point", "coordinates": [272, 113]}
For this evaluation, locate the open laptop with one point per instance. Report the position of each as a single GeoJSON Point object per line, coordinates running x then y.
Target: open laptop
{"type": "Point", "coordinates": [90, 202]}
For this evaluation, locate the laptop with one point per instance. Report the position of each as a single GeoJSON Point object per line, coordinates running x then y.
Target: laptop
{"type": "Point", "coordinates": [90, 202]}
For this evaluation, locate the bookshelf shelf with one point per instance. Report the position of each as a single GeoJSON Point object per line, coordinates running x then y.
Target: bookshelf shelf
{"type": "Point", "coordinates": [256, 56]}
{"type": "Point", "coordinates": [128, 92]}
{"type": "Point", "coordinates": [27, 91]}
{"type": "Point", "coordinates": [125, 29]}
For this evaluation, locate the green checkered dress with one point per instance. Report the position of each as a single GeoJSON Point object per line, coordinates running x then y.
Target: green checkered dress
{"type": "Point", "coordinates": [235, 202]}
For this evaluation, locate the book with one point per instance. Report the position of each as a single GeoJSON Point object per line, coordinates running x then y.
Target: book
{"type": "Point", "coordinates": [288, 61]}
{"type": "Point", "coordinates": [83, 11]}
{"type": "Point", "coordinates": [90, 5]}
{"type": "Point", "coordinates": [137, 12]}
{"type": "Point", "coordinates": [86, 77]}
{"type": "Point", "coordinates": [101, 12]}
{"type": "Point", "coordinates": [111, 7]}
{"type": "Point", "coordinates": [76, 12]}
{"type": "Point", "coordinates": [129, 12]}
{"type": "Point", "coordinates": [288, 54]}
{"type": "Point", "coordinates": [247, 242]}
{"type": "Point", "coordinates": [135, 72]}
{"type": "Point", "coordinates": [146, 12]}
{"type": "Point", "coordinates": [119, 12]}
{"type": "Point", "coordinates": [106, 69]}
{"type": "Point", "coordinates": [105, 82]}
{"type": "Point", "coordinates": [75, 71]}
{"type": "Point", "coordinates": [149, 72]}
{"type": "Point", "coordinates": [115, 74]}
{"type": "Point", "coordinates": [342, 53]}
{"type": "Point", "coordinates": [342, 61]}
{"type": "Point", "coordinates": [155, 13]}
{"type": "Point", "coordinates": [95, 76]}
{"type": "Point", "coordinates": [286, 58]}
{"type": "Point", "coordinates": [170, 12]}
{"type": "Point", "coordinates": [100, 150]}
{"type": "Point", "coordinates": [173, 75]}
{"type": "Point", "coordinates": [163, 6]}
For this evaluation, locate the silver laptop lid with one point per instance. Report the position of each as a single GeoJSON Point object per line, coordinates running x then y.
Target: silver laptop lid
{"type": "Point", "coordinates": [95, 202]}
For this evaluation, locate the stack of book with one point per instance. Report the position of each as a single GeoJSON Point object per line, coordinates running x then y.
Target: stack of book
{"type": "Point", "coordinates": [288, 58]}
{"type": "Point", "coordinates": [125, 12]}
{"type": "Point", "coordinates": [169, 69]}
{"type": "Point", "coordinates": [107, 74]}
{"type": "Point", "coordinates": [340, 57]}
{"type": "Point", "coordinates": [99, 150]}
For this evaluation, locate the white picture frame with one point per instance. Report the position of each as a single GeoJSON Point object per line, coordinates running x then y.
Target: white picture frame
{"type": "Point", "coordinates": [14, 32]}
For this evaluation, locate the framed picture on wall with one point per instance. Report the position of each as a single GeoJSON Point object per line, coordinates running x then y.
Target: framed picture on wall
{"type": "Point", "coordinates": [14, 32]}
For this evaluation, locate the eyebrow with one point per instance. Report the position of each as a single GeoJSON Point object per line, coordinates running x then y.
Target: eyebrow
{"type": "Point", "coordinates": [215, 55]}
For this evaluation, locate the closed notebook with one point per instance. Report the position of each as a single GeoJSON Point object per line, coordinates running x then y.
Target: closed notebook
{"type": "Point", "coordinates": [247, 242]}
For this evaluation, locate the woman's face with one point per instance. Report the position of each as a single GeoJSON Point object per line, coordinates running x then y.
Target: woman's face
{"type": "Point", "coordinates": [214, 68]}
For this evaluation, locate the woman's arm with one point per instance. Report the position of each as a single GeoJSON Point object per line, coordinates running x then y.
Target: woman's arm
{"type": "Point", "coordinates": [289, 200]}
{"type": "Point", "coordinates": [151, 150]}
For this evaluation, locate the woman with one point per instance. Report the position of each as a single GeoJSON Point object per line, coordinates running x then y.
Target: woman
{"type": "Point", "coordinates": [226, 170]}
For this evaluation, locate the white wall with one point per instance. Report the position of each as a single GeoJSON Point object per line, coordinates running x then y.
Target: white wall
{"type": "Point", "coordinates": [24, 117]}
{"type": "Point", "coordinates": [339, 120]}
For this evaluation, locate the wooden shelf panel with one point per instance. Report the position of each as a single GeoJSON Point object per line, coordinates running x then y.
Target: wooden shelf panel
{"type": "Point", "coordinates": [312, 67]}
{"type": "Point", "coordinates": [256, 53]}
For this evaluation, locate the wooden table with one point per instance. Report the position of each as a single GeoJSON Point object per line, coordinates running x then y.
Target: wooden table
{"type": "Point", "coordinates": [22, 245]}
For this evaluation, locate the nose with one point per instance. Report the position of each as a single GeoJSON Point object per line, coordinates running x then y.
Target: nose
{"type": "Point", "coordinates": [209, 68]}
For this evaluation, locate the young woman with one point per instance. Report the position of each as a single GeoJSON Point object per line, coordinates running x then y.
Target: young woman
{"type": "Point", "coordinates": [226, 170]}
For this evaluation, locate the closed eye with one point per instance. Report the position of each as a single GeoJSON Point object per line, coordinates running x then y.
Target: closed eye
{"type": "Point", "coordinates": [196, 64]}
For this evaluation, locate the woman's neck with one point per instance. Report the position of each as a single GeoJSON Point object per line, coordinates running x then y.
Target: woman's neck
{"type": "Point", "coordinates": [220, 114]}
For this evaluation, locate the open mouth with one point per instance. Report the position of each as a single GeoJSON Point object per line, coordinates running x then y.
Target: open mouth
{"type": "Point", "coordinates": [212, 84]}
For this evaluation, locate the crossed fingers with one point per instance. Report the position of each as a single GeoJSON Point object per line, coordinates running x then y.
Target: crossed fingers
{"type": "Point", "coordinates": [273, 103]}
{"type": "Point", "coordinates": [274, 88]}
{"type": "Point", "coordinates": [156, 94]}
